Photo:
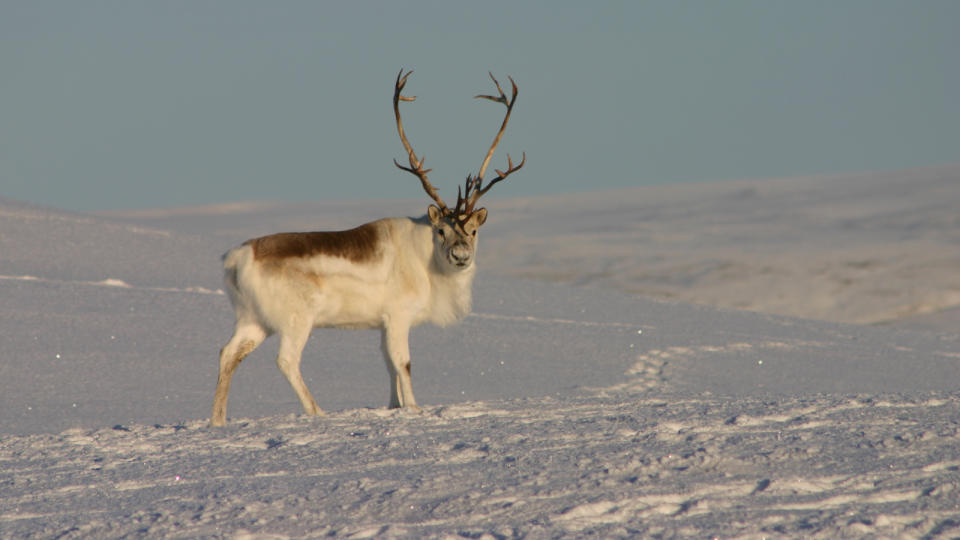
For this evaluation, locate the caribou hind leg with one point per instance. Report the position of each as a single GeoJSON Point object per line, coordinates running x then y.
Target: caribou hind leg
{"type": "Point", "coordinates": [245, 339]}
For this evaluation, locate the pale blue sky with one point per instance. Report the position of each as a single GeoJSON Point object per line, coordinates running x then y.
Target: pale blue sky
{"type": "Point", "coordinates": [153, 104]}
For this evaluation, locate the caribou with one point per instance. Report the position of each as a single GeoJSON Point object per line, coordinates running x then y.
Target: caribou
{"type": "Point", "coordinates": [390, 274]}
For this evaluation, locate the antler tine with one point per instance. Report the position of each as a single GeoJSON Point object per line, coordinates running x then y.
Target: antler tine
{"type": "Point", "coordinates": [474, 184]}
{"type": "Point", "coordinates": [501, 175]}
{"type": "Point", "coordinates": [464, 204]}
{"type": "Point", "coordinates": [416, 165]}
{"type": "Point", "coordinates": [502, 98]}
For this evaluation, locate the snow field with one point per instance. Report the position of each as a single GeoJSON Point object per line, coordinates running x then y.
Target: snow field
{"type": "Point", "coordinates": [618, 465]}
{"type": "Point", "coordinates": [555, 410]}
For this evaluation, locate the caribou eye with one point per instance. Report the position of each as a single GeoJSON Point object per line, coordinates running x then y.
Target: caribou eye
{"type": "Point", "coordinates": [440, 232]}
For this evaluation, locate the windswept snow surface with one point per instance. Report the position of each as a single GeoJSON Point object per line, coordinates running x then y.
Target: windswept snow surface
{"type": "Point", "coordinates": [552, 411]}
{"type": "Point", "coordinates": [619, 464]}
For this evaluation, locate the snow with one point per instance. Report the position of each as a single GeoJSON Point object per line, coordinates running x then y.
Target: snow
{"type": "Point", "coordinates": [613, 466]}
{"type": "Point", "coordinates": [564, 406]}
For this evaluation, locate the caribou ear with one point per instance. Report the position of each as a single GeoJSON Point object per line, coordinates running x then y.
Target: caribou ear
{"type": "Point", "coordinates": [480, 216]}
{"type": "Point", "coordinates": [434, 213]}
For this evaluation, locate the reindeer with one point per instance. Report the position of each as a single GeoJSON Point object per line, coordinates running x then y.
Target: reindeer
{"type": "Point", "coordinates": [391, 274]}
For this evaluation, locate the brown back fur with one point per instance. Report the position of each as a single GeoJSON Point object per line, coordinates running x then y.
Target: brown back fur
{"type": "Point", "coordinates": [357, 245]}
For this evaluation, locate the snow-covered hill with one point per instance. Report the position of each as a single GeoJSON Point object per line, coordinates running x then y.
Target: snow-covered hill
{"type": "Point", "coordinates": [553, 410]}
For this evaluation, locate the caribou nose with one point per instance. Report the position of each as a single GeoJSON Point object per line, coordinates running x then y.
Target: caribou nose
{"type": "Point", "coordinates": [460, 257]}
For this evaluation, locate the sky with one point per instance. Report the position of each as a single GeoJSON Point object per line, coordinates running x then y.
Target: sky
{"type": "Point", "coordinates": [122, 105]}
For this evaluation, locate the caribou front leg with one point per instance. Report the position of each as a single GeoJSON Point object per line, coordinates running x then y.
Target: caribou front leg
{"type": "Point", "coordinates": [288, 360]}
{"type": "Point", "coordinates": [396, 354]}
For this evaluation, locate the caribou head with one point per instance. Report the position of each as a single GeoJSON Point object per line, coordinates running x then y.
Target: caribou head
{"type": "Point", "coordinates": [455, 230]}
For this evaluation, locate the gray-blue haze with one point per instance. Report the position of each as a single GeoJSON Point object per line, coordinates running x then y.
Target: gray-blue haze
{"type": "Point", "coordinates": [151, 104]}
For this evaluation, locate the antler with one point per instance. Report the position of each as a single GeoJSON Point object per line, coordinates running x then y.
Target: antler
{"type": "Point", "coordinates": [474, 185]}
{"type": "Point", "coordinates": [416, 165]}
